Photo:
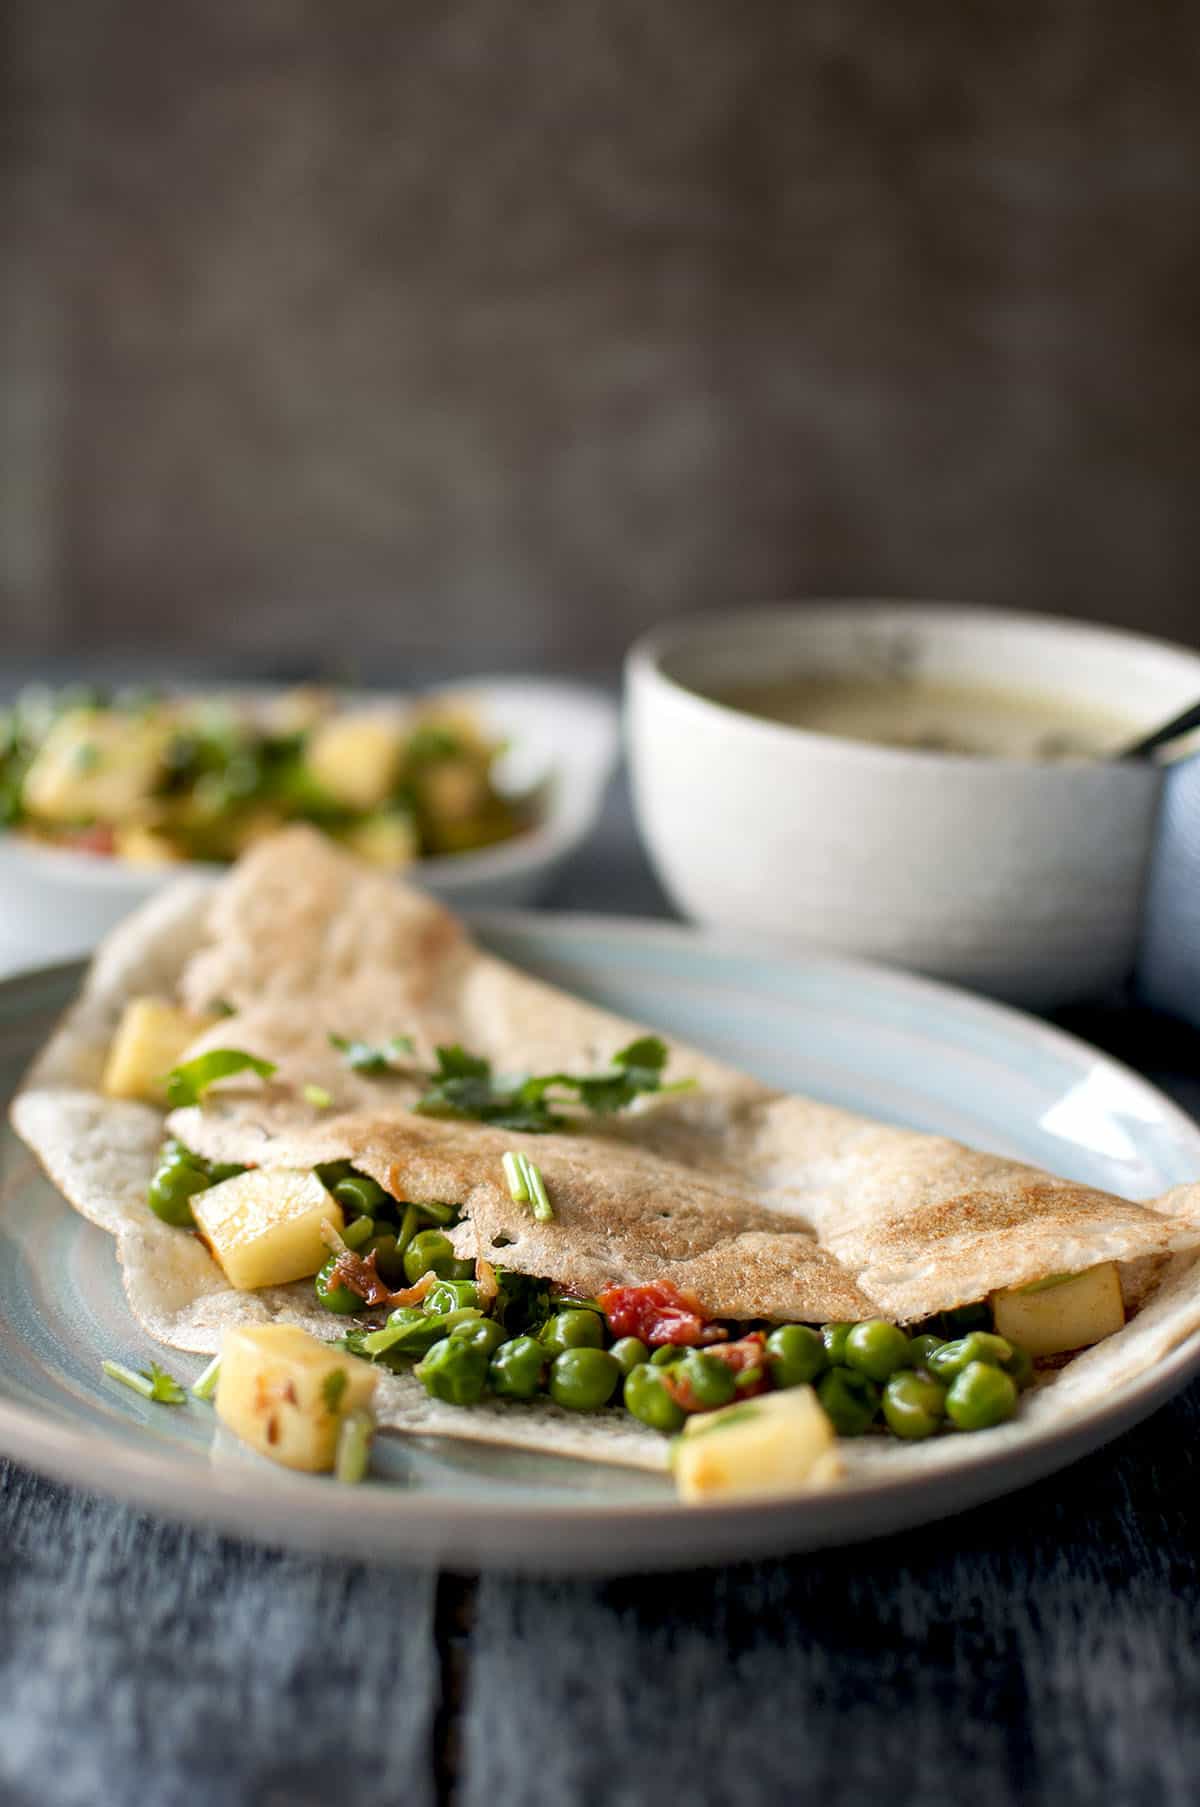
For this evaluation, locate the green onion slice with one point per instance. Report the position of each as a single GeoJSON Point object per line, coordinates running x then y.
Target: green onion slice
{"type": "Point", "coordinates": [354, 1448]}
{"type": "Point", "coordinates": [526, 1185]}
{"type": "Point", "coordinates": [367, 1057]}
{"type": "Point", "coordinates": [318, 1097]}
{"type": "Point", "coordinates": [205, 1385]}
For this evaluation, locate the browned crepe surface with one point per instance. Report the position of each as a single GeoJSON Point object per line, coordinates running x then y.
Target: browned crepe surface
{"type": "Point", "coordinates": [764, 1205]}
{"type": "Point", "coordinates": [303, 941]}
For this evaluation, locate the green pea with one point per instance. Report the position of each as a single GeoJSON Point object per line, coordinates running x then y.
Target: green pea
{"type": "Point", "coordinates": [174, 1150]}
{"type": "Point", "coordinates": [705, 1381]}
{"type": "Point", "coordinates": [334, 1296]}
{"type": "Point", "coordinates": [646, 1397]}
{"type": "Point", "coordinates": [950, 1360]}
{"type": "Point", "coordinates": [583, 1378]}
{"type": "Point", "coordinates": [219, 1171]}
{"type": "Point", "coordinates": [389, 1263]}
{"type": "Point", "coordinates": [667, 1354]}
{"type": "Point", "coordinates": [850, 1400]}
{"type": "Point", "coordinates": [965, 1318]}
{"type": "Point", "coordinates": [484, 1331]}
{"type": "Point", "coordinates": [795, 1355]}
{"type": "Point", "coordinates": [183, 1162]}
{"type": "Point", "coordinates": [834, 1338]}
{"type": "Point", "coordinates": [454, 1371]}
{"type": "Point", "coordinates": [573, 1330]}
{"type": "Point", "coordinates": [517, 1368]}
{"type": "Point", "coordinates": [359, 1232]}
{"type": "Point", "coordinates": [434, 1212]}
{"type": "Point", "coordinates": [170, 1190]}
{"type": "Point", "coordinates": [429, 1252]}
{"type": "Point", "coordinates": [628, 1352]}
{"type": "Point", "coordinates": [451, 1295]}
{"type": "Point", "coordinates": [876, 1348]}
{"type": "Point", "coordinates": [330, 1172]}
{"type": "Point", "coordinates": [920, 1349]}
{"type": "Point", "coordinates": [358, 1193]}
{"type": "Point", "coordinates": [981, 1396]}
{"type": "Point", "coordinates": [1020, 1367]}
{"type": "Point", "coordinates": [913, 1404]}
{"type": "Point", "coordinates": [462, 1270]}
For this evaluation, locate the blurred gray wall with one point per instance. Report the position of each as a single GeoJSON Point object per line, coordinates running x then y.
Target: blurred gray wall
{"type": "Point", "coordinates": [509, 327]}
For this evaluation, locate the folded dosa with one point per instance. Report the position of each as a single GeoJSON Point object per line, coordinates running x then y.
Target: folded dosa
{"type": "Point", "coordinates": [761, 1204]}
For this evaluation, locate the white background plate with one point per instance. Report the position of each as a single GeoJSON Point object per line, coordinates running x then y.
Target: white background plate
{"type": "Point", "coordinates": [895, 1047]}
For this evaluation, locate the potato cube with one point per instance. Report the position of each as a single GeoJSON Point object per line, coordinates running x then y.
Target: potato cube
{"type": "Point", "coordinates": [357, 758]}
{"type": "Point", "coordinates": [1061, 1312]}
{"type": "Point", "coordinates": [264, 1226]}
{"type": "Point", "coordinates": [388, 840]}
{"type": "Point", "coordinates": [455, 790]}
{"type": "Point", "coordinates": [285, 1393]}
{"type": "Point", "coordinates": [777, 1443]}
{"type": "Point", "coordinates": [96, 765]}
{"type": "Point", "coordinates": [143, 845]}
{"type": "Point", "coordinates": [151, 1038]}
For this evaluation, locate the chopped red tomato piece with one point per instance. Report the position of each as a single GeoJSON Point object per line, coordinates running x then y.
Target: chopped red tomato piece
{"type": "Point", "coordinates": [97, 839]}
{"type": "Point", "coordinates": [747, 1358]}
{"type": "Point", "coordinates": [658, 1313]}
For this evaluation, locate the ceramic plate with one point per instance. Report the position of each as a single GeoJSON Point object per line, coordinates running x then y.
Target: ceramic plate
{"type": "Point", "coordinates": [872, 1040]}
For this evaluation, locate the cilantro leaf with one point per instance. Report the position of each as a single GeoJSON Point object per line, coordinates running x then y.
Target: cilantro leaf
{"type": "Point", "coordinates": [163, 1386]}
{"type": "Point", "coordinates": [188, 1083]}
{"type": "Point", "coordinates": [368, 1057]}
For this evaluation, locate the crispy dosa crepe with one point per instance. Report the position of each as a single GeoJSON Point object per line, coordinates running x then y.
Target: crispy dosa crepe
{"type": "Point", "coordinates": [763, 1205]}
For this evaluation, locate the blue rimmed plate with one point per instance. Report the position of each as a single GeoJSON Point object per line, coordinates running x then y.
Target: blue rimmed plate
{"type": "Point", "coordinates": [871, 1040]}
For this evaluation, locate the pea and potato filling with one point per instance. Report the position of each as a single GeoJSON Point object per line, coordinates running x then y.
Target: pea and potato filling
{"type": "Point", "coordinates": [471, 1330]}
{"type": "Point", "coordinates": [154, 779]}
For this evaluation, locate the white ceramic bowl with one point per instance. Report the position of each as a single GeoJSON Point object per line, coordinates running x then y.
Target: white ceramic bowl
{"type": "Point", "coordinates": [1022, 879]}
{"type": "Point", "coordinates": [56, 904]}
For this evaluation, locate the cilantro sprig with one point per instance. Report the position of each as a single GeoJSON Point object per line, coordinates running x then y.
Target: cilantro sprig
{"type": "Point", "coordinates": [464, 1086]}
{"type": "Point", "coordinates": [152, 1382]}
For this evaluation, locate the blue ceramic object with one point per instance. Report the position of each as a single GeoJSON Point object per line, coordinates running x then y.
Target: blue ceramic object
{"type": "Point", "coordinates": [1168, 975]}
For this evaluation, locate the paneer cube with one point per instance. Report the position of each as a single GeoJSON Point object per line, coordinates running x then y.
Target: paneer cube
{"type": "Point", "coordinates": [151, 1038]}
{"type": "Point", "coordinates": [97, 766]}
{"type": "Point", "coordinates": [1061, 1312]}
{"type": "Point", "coordinates": [264, 1226]}
{"type": "Point", "coordinates": [285, 1393]}
{"type": "Point", "coordinates": [777, 1443]}
{"type": "Point", "coordinates": [357, 758]}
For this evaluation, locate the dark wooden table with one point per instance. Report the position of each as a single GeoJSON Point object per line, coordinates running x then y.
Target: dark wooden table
{"type": "Point", "coordinates": [1042, 1650]}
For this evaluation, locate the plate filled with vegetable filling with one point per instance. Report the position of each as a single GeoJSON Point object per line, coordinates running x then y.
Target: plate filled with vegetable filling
{"type": "Point", "coordinates": [563, 1243]}
{"type": "Point", "coordinates": [105, 796]}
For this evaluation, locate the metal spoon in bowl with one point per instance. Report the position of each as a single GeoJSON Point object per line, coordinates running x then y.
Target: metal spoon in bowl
{"type": "Point", "coordinates": [1179, 724]}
